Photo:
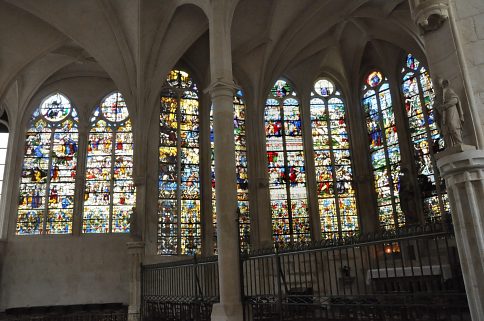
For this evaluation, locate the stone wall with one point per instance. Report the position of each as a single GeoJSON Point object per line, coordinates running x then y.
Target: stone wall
{"type": "Point", "coordinates": [64, 270]}
{"type": "Point", "coordinates": [469, 15]}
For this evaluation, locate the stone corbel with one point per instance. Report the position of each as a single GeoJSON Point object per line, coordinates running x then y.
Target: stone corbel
{"type": "Point", "coordinates": [430, 15]}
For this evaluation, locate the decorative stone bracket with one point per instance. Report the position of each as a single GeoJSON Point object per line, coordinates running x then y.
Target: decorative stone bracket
{"type": "Point", "coordinates": [430, 15]}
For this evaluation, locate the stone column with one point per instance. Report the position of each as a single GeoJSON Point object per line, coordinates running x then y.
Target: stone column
{"type": "Point", "coordinates": [463, 171]}
{"type": "Point", "coordinates": [461, 166]}
{"type": "Point", "coordinates": [230, 307]}
{"type": "Point", "coordinates": [221, 92]}
{"type": "Point", "coordinates": [136, 253]}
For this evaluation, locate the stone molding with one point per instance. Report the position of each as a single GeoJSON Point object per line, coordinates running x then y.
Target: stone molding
{"type": "Point", "coordinates": [462, 167]}
{"type": "Point", "coordinates": [430, 15]}
{"type": "Point", "coordinates": [221, 88]}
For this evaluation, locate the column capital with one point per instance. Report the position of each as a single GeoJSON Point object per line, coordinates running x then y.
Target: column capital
{"type": "Point", "coordinates": [455, 165]}
{"type": "Point", "coordinates": [430, 14]}
{"type": "Point", "coordinates": [221, 87]}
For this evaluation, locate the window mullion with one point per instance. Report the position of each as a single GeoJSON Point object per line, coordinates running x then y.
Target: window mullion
{"type": "Point", "coordinates": [178, 170]}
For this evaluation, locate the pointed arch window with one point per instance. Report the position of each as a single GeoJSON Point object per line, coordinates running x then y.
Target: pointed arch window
{"type": "Point", "coordinates": [109, 194]}
{"type": "Point", "coordinates": [286, 166]}
{"type": "Point", "coordinates": [241, 172]}
{"type": "Point", "coordinates": [46, 200]}
{"type": "Point", "coordinates": [179, 226]}
{"type": "Point", "coordinates": [425, 137]}
{"type": "Point", "coordinates": [384, 148]}
{"type": "Point", "coordinates": [334, 177]}
{"type": "Point", "coordinates": [4, 134]}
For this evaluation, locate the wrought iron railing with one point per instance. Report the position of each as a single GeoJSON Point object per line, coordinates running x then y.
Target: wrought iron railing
{"type": "Point", "coordinates": [73, 317]}
{"type": "Point", "coordinates": [410, 274]}
{"type": "Point", "coordinates": [183, 290]}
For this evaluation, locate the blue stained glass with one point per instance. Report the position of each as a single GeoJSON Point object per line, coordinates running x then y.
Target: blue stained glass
{"type": "Point", "coordinates": [286, 165]}
{"type": "Point", "coordinates": [384, 150]}
{"type": "Point", "coordinates": [333, 163]}
{"type": "Point", "coordinates": [46, 198]}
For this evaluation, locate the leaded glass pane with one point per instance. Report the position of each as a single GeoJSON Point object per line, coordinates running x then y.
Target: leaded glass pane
{"type": "Point", "coordinates": [337, 203]}
{"type": "Point", "coordinates": [47, 185]}
{"type": "Point", "coordinates": [384, 149]}
{"type": "Point", "coordinates": [286, 167]}
{"type": "Point", "coordinates": [425, 137]}
{"type": "Point", "coordinates": [179, 225]}
{"type": "Point", "coordinates": [109, 194]}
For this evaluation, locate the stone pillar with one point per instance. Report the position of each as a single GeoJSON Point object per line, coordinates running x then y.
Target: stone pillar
{"type": "Point", "coordinates": [230, 306]}
{"type": "Point", "coordinates": [136, 252]}
{"type": "Point", "coordinates": [221, 92]}
{"type": "Point", "coordinates": [463, 171]}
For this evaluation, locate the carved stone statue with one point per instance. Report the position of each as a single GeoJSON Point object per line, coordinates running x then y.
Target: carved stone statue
{"type": "Point", "coordinates": [450, 116]}
{"type": "Point", "coordinates": [407, 196]}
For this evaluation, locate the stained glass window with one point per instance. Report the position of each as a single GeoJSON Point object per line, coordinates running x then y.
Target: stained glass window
{"type": "Point", "coordinates": [287, 171]}
{"type": "Point", "coordinates": [3, 150]}
{"type": "Point", "coordinates": [334, 177]}
{"type": "Point", "coordinates": [424, 135]}
{"type": "Point", "coordinates": [179, 227]}
{"type": "Point", "coordinates": [109, 194]}
{"type": "Point", "coordinates": [46, 199]}
{"type": "Point", "coordinates": [384, 148]}
{"type": "Point", "coordinates": [241, 172]}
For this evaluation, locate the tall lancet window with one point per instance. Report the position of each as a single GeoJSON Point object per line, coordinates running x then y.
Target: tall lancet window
{"type": "Point", "coordinates": [109, 194]}
{"type": "Point", "coordinates": [179, 226]}
{"type": "Point", "coordinates": [287, 171]}
{"type": "Point", "coordinates": [384, 148]}
{"type": "Point", "coordinates": [46, 199]}
{"type": "Point", "coordinates": [3, 150]}
{"type": "Point", "coordinates": [334, 177]}
{"type": "Point", "coordinates": [241, 172]}
{"type": "Point", "coordinates": [424, 135]}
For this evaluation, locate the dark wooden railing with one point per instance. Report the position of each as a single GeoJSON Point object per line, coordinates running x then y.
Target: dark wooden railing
{"type": "Point", "coordinates": [410, 274]}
